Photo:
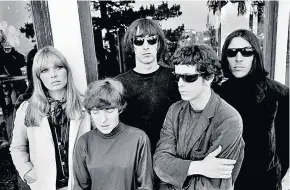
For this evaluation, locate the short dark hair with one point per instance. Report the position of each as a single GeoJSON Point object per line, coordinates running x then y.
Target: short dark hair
{"type": "Point", "coordinates": [146, 27]}
{"type": "Point", "coordinates": [258, 69]}
{"type": "Point", "coordinates": [105, 94]}
{"type": "Point", "coordinates": [203, 57]}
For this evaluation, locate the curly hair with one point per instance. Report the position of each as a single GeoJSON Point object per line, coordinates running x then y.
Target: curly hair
{"type": "Point", "coordinates": [205, 59]}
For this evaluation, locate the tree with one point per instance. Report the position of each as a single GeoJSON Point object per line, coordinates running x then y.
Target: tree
{"type": "Point", "coordinates": [115, 17]}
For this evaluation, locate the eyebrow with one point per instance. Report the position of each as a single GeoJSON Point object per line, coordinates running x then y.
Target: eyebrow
{"type": "Point", "coordinates": [242, 47]}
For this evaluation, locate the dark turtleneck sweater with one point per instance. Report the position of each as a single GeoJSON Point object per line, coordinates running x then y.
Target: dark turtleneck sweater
{"type": "Point", "coordinates": [149, 97]}
{"type": "Point", "coordinates": [120, 160]}
{"type": "Point", "coordinates": [243, 94]}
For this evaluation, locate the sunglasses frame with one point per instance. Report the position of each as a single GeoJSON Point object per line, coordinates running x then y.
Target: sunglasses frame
{"type": "Point", "coordinates": [244, 52]}
{"type": "Point", "coordinates": [154, 40]}
{"type": "Point", "coordinates": [185, 77]}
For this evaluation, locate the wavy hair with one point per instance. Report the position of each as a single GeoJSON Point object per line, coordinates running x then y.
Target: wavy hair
{"type": "Point", "coordinates": [105, 94]}
{"type": "Point", "coordinates": [38, 103]}
{"type": "Point", "coordinates": [205, 59]}
{"type": "Point", "coordinates": [258, 70]}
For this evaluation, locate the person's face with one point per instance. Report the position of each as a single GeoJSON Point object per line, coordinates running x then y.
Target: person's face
{"type": "Point", "coordinates": [145, 48]}
{"type": "Point", "coordinates": [190, 84]}
{"type": "Point", "coordinates": [105, 120]}
{"type": "Point", "coordinates": [54, 77]}
{"type": "Point", "coordinates": [240, 55]}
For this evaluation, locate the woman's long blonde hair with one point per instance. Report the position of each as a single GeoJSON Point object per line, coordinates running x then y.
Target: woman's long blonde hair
{"type": "Point", "coordinates": [38, 103]}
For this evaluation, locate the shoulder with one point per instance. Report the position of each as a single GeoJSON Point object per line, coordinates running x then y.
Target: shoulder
{"type": "Point", "coordinates": [124, 76]}
{"type": "Point", "coordinates": [86, 137]}
{"type": "Point", "coordinates": [178, 105]}
{"type": "Point", "coordinates": [228, 115]}
{"type": "Point", "coordinates": [23, 106]}
{"type": "Point", "coordinates": [136, 132]}
{"type": "Point", "coordinates": [276, 88]}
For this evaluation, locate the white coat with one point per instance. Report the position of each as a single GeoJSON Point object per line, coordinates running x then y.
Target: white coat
{"type": "Point", "coordinates": [33, 148]}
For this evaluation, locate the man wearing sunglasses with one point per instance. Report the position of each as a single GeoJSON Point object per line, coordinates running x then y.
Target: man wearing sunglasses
{"type": "Point", "coordinates": [150, 88]}
{"type": "Point", "coordinates": [201, 145]}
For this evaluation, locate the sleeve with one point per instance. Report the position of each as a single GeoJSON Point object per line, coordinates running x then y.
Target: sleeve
{"type": "Point", "coordinates": [81, 173]}
{"type": "Point", "coordinates": [168, 167]}
{"type": "Point", "coordinates": [19, 144]}
{"type": "Point", "coordinates": [282, 132]}
{"type": "Point", "coordinates": [229, 136]}
{"type": "Point", "coordinates": [144, 165]}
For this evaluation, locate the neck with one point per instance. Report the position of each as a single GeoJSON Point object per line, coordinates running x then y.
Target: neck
{"type": "Point", "coordinates": [146, 68]}
{"type": "Point", "coordinates": [199, 103]}
{"type": "Point", "coordinates": [57, 95]}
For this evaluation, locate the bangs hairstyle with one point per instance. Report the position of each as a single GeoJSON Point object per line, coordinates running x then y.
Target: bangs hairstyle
{"type": "Point", "coordinates": [38, 103]}
{"type": "Point", "coordinates": [205, 59]}
{"type": "Point", "coordinates": [258, 70]}
{"type": "Point", "coordinates": [105, 94]}
{"type": "Point", "coordinates": [144, 27]}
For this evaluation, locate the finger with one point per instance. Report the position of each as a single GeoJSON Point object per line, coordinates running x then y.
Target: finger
{"type": "Point", "coordinates": [226, 161]}
{"type": "Point", "coordinates": [215, 152]}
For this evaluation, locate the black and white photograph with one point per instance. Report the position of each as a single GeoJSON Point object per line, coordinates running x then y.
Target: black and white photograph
{"type": "Point", "coordinates": [144, 94]}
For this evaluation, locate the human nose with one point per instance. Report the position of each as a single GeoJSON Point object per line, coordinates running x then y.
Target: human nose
{"type": "Point", "coordinates": [180, 82]}
{"type": "Point", "coordinates": [239, 57]}
{"type": "Point", "coordinates": [145, 44]}
{"type": "Point", "coordinates": [103, 116]}
{"type": "Point", "coordinates": [53, 73]}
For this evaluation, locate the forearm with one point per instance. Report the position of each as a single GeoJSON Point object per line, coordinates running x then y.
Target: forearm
{"type": "Point", "coordinates": [171, 170]}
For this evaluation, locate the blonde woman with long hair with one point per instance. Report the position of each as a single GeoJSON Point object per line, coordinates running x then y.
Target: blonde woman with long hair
{"type": "Point", "coordinates": [47, 126]}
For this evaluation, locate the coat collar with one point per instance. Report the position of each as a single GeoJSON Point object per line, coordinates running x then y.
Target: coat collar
{"type": "Point", "coordinates": [261, 87]}
{"type": "Point", "coordinates": [200, 126]}
{"type": "Point", "coordinates": [210, 108]}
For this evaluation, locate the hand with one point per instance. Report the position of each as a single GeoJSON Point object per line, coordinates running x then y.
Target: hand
{"type": "Point", "coordinates": [212, 167]}
{"type": "Point", "coordinates": [30, 176]}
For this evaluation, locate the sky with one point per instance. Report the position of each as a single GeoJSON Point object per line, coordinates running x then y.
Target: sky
{"type": "Point", "coordinates": [194, 16]}
{"type": "Point", "coordinates": [15, 14]}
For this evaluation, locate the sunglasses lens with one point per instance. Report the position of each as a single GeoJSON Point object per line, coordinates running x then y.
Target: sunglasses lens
{"type": "Point", "coordinates": [231, 53]}
{"type": "Point", "coordinates": [190, 78]}
{"type": "Point", "coordinates": [138, 41]}
{"type": "Point", "coordinates": [247, 52]}
{"type": "Point", "coordinates": [186, 78]}
{"type": "Point", "coordinates": [152, 41]}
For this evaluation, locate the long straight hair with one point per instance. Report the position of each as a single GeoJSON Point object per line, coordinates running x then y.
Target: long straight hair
{"type": "Point", "coordinates": [258, 70]}
{"type": "Point", "coordinates": [38, 103]}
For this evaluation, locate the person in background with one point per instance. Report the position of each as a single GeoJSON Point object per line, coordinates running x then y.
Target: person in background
{"type": "Point", "coordinates": [113, 156]}
{"type": "Point", "coordinates": [264, 106]}
{"type": "Point", "coordinates": [149, 88]}
{"type": "Point", "coordinates": [201, 145]}
{"type": "Point", "coordinates": [46, 126]}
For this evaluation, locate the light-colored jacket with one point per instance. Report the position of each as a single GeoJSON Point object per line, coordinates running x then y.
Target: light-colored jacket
{"type": "Point", "coordinates": [32, 148]}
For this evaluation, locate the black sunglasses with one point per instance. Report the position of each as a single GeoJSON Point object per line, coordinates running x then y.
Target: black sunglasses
{"type": "Point", "coordinates": [138, 41]}
{"type": "Point", "coordinates": [246, 52]}
{"type": "Point", "coordinates": [186, 78]}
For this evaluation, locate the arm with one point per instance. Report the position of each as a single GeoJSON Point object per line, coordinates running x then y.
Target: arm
{"type": "Point", "coordinates": [168, 167]}
{"type": "Point", "coordinates": [229, 135]}
{"type": "Point", "coordinates": [19, 144]}
{"type": "Point", "coordinates": [81, 173]}
{"type": "Point", "coordinates": [282, 133]}
{"type": "Point", "coordinates": [144, 165]}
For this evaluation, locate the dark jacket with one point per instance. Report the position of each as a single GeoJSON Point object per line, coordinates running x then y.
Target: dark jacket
{"type": "Point", "coordinates": [266, 131]}
{"type": "Point", "coordinates": [183, 140]}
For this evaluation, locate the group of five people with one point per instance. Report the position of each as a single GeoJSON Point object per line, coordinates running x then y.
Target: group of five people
{"type": "Point", "coordinates": [154, 127]}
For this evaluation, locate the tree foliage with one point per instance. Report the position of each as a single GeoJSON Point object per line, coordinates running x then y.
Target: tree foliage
{"type": "Point", "coordinates": [120, 14]}
{"type": "Point", "coordinates": [28, 30]}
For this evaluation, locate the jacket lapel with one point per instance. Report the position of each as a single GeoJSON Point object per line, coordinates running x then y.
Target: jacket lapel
{"type": "Point", "coordinates": [203, 122]}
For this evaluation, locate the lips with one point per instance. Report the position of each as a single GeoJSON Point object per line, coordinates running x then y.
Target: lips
{"type": "Point", "coordinates": [55, 82]}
